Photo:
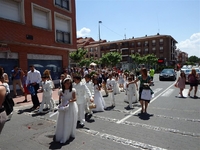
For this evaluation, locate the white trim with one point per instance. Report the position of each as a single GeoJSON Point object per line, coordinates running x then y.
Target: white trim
{"type": "Point", "coordinates": [38, 45]}
{"type": "Point", "coordinates": [44, 57]}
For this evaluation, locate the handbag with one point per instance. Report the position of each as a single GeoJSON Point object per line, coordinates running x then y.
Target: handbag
{"type": "Point", "coordinates": [146, 94]}
{"type": "Point", "coordinates": [92, 105]}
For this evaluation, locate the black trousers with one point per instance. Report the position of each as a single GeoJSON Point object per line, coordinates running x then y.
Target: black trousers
{"type": "Point", "coordinates": [34, 97]}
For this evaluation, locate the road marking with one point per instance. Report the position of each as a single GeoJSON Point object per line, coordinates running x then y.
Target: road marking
{"type": "Point", "coordinates": [133, 113]}
{"type": "Point", "coordinates": [157, 90]}
{"type": "Point", "coordinates": [151, 127]}
{"type": "Point", "coordinates": [167, 93]}
{"type": "Point", "coordinates": [121, 140]}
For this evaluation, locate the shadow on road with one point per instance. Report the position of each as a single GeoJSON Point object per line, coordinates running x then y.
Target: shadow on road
{"type": "Point", "coordinates": [145, 116]}
{"type": "Point", "coordinates": [58, 145]}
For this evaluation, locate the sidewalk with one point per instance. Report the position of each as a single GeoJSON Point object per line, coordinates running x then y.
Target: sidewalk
{"type": "Point", "coordinates": [19, 99]}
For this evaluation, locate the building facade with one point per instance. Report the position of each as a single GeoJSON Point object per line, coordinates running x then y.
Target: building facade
{"type": "Point", "coordinates": [37, 32]}
{"type": "Point", "coordinates": [163, 46]}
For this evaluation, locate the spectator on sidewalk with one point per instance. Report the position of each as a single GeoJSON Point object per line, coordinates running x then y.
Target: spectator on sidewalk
{"type": "Point", "coordinates": [33, 79]}
{"type": "Point", "coordinates": [16, 79]}
{"type": "Point", "coordinates": [24, 78]}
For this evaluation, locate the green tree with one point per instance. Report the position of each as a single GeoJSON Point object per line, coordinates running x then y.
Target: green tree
{"type": "Point", "coordinates": [151, 59]}
{"type": "Point", "coordinates": [78, 55]}
{"type": "Point", "coordinates": [111, 59]}
{"type": "Point", "coordinates": [193, 59]}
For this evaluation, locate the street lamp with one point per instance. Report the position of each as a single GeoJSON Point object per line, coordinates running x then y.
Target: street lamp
{"type": "Point", "coordinates": [99, 30]}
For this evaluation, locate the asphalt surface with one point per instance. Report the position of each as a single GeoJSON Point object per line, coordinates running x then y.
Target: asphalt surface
{"type": "Point", "coordinates": [171, 123]}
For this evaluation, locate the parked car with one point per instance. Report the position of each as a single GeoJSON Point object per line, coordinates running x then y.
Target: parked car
{"type": "Point", "coordinates": [167, 74]}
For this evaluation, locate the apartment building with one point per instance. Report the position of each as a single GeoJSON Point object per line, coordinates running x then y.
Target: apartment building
{"type": "Point", "coordinates": [163, 46]}
{"type": "Point", "coordinates": [37, 32]}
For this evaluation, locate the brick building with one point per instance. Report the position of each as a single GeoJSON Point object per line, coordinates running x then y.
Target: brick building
{"type": "Point", "coordinates": [163, 46]}
{"type": "Point", "coordinates": [37, 32]}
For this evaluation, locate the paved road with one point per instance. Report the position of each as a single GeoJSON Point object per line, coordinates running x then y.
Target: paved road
{"type": "Point", "coordinates": [171, 123]}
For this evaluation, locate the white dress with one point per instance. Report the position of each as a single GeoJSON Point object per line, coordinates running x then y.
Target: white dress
{"type": "Point", "coordinates": [67, 118]}
{"type": "Point", "coordinates": [98, 100]}
{"type": "Point", "coordinates": [131, 92]}
{"type": "Point", "coordinates": [116, 86]}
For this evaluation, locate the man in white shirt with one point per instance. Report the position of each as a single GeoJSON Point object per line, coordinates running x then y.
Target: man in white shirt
{"type": "Point", "coordinates": [33, 79]}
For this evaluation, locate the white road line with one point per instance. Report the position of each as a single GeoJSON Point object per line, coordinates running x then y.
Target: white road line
{"type": "Point", "coordinates": [167, 93]}
{"type": "Point", "coordinates": [133, 113]}
{"type": "Point", "coordinates": [157, 90]}
{"type": "Point", "coordinates": [121, 140]}
{"type": "Point", "coordinates": [185, 92]}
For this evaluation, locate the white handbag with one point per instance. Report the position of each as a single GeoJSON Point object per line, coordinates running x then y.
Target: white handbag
{"type": "Point", "coordinates": [146, 94]}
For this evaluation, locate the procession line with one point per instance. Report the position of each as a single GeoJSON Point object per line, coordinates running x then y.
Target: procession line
{"type": "Point", "coordinates": [133, 113]}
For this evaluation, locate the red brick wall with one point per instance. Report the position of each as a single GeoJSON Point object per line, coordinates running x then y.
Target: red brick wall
{"type": "Point", "coordinates": [13, 31]}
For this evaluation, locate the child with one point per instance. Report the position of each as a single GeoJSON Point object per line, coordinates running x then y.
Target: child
{"type": "Point", "coordinates": [110, 84]}
{"type": "Point", "coordinates": [81, 92]}
{"type": "Point", "coordinates": [47, 94]}
{"type": "Point", "coordinates": [90, 86]}
{"type": "Point", "coordinates": [98, 99]}
{"type": "Point", "coordinates": [68, 112]}
{"type": "Point", "coordinates": [131, 93]}
{"type": "Point", "coordinates": [181, 83]}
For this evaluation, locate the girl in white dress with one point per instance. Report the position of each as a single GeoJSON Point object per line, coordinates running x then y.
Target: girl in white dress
{"type": "Point", "coordinates": [116, 89]}
{"type": "Point", "coordinates": [68, 113]}
{"type": "Point", "coordinates": [121, 82]}
{"type": "Point", "coordinates": [98, 99]}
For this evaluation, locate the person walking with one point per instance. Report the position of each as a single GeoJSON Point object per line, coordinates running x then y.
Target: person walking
{"type": "Point", "coordinates": [16, 79]}
{"type": "Point", "coordinates": [33, 79]}
{"type": "Point", "coordinates": [3, 116]}
{"type": "Point", "coordinates": [68, 113]}
{"type": "Point", "coordinates": [47, 94]}
{"type": "Point", "coordinates": [90, 86]}
{"type": "Point", "coordinates": [181, 83]}
{"type": "Point", "coordinates": [81, 92]}
{"type": "Point", "coordinates": [193, 80]}
{"type": "Point", "coordinates": [26, 92]}
{"type": "Point", "coordinates": [144, 90]}
{"type": "Point", "coordinates": [110, 84]}
{"type": "Point", "coordinates": [151, 73]}
{"type": "Point", "coordinates": [98, 99]}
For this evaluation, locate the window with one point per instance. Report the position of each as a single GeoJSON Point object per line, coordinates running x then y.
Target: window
{"type": "Point", "coordinates": [153, 42]}
{"type": "Point", "coordinates": [41, 17]}
{"type": "Point", "coordinates": [132, 51]}
{"type": "Point", "coordinates": [139, 50]}
{"type": "Point", "coordinates": [138, 44]}
{"type": "Point", "coordinates": [12, 10]}
{"type": "Point", "coordinates": [161, 48]}
{"type": "Point", "coordinates": [161, 41]}
{"type": "Point", "coordinates": [91, 49]}
{"type": "Point", "coordinates": [153, 49]}
{"type": "Point", "coordinates": [146, 49]}
{"type": "Point", "coordinates": [146, 43]}
{"type": "Point", "coordinates": [132, 44]}
{"type": "Point", "coordinates": [63, 37]}
{"type": "Point", "coordinates": [63, 28]}
{"type": "Point", "coordinates": [62, 3]}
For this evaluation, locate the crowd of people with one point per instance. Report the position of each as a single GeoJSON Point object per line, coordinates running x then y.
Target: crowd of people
{"type": "Point", "coordinates": [79, 93]}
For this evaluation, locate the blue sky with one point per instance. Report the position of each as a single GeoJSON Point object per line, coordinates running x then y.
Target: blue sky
{"type": "Point", "coordinates": [178, 18]}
